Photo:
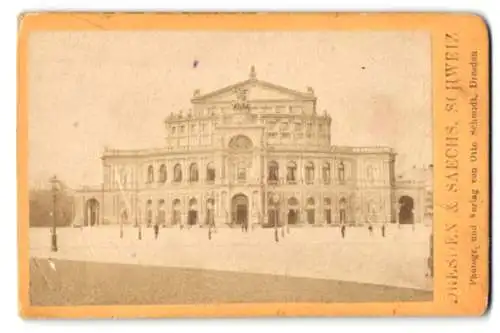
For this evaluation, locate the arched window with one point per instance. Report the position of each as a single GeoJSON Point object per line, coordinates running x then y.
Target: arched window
{"type": "Point", "coordinates": [342, 210]}
{"type": "Point", "coordinates": [193, 212]}
{"type": "Point", "coordinates": [309, 172]}
{"type": "Point", "coordinates": [326, 173]}
{"type": "Point", "coordinates": [210, 172]}
{"type": "Point", "coordinates": [342, 203]}
{"type": "Point", "coordinates": [341, 171]}
{"type": "Point", "coordinates": [311, 210]}
{"type": "Point", "coordinates": [327, 202]}
{"type": "Point", "coordinates": [209, 217]}
{"type": "Point", "coordinates": [273, 171]}
{"type": "Point", "coordinates": [162, 177]}
{"type": "Point", "coordinates": [176, 212]}
{"type": "Point", "coordinates": [240, 142]}
{"type": "Point", "coordinates": [291, 172]}
{"type": "Point", "coordinates": [177, 173]}
{"type": "Point", "coordinates": [151, 174]}
{"type": "Point", "coordinates": [193, 172]}
{"type": "Point", "coordinates": [161, 212]}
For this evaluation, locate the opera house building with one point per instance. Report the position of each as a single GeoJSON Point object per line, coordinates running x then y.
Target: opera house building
{"type": "Point", "coordinates": [253, 153]}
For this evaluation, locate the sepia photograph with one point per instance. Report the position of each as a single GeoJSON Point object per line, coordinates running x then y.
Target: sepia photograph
{"type": "Point", "coordinates": [228, 167]}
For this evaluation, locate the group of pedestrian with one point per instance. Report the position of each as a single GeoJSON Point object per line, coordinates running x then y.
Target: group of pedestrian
{"type": "Point", "coordinates": [343, 230]}
{"type": "Point", "coordinates": [244, 225]}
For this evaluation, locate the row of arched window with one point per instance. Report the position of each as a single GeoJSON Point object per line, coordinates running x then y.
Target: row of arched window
{"type": "Point", "coordinates": [273, 172]}
{"type": "Point", "coordinates": [193, 173]}
{"type": "Point", "coordinates": [291, 173]}
{"type": "Point", "coordinates": [160, 216]}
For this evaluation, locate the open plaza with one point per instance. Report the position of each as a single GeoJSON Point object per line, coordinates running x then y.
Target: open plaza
{"type": "Point", "coordinates": [399, 259]}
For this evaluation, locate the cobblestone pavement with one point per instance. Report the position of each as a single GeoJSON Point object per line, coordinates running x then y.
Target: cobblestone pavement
{"type": "Point", "coordinates": [86, 283]}
{"type": "Point", "coordinates": [397, 260]}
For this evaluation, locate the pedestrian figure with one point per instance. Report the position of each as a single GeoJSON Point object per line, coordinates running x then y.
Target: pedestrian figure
{"type": "Point", "coordinates": [157, 230]}
{"type": "Point", "coordinates": [342, 231]}
{"type": "Point", "coordinates": [383, 230]}
{"type": "Point", "coordinates": [370, 229]}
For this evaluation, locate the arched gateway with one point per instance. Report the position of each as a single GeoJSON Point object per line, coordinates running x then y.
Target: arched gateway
{"type": "Point", "coordinates": [406, 205]}
{"type": "Point", "coordinates": [239, 209]}
{"type": "Point", "coordinates": [91, 217]}
{"type": "Point", "coordinates": [293, 211]}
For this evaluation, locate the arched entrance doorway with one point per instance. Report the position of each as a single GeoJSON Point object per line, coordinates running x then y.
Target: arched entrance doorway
{"type": "Point", "coordinates": [91, 212]}
{"type": "Point", "coordinates": [161, 212]}
{"type": "Point", "coordinates": [293, 211]}
{"type": "Point", "coordinates": [406, 205]}
{"type": "Point", "coordinates": [193, 212]}
{"type": "Point", "coordinates": [273, 210]}
{"type": "Point", "coordinates": [210, 212]}
{"type": "Point", "coordinates": [176, 212]}
{"type": "Point", "coordinates": [327, 203]}
{"type": "Point", "coordinates": [149, 213]}
{"type": "Point", "coordinates": [239, 209]}
{"type": "Point", "coordinates": [342, 210]}
{"type": "Point", "coordinates": [311, 211]}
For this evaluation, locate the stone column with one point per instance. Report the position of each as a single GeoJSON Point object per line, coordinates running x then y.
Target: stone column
{"type": "Point", "coordinates": [300, 172]}
{"type": "Point", "coordinates": [223, 170]}
{"type": "Point", "coordinates": [202, 208]}
{"type": "Point", "coordinates": [318, 174]}
{"type": "Point", "coordinates": [265, 208]}
{"type": "Point", "coordinates": [303, 215]}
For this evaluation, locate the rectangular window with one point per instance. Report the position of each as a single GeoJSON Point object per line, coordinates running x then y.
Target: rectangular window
{"type": "Point", "coordinates": [309, 130]}
{"type": "Point", "coordinates": [181, 129]}
{"type": "Point", "coordinates": [193, 128]}
{"type": "Point", "coordinates": [173, 130]}
{"type": "Point", "coordinates": [242, 174]}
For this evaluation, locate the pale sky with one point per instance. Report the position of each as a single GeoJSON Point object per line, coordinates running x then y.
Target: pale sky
{"type": "Point", "coordinates": [92, 89]}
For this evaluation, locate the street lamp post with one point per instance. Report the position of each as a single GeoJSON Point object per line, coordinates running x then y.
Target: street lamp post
{"type": "Point", "coordinates": [54, 182]}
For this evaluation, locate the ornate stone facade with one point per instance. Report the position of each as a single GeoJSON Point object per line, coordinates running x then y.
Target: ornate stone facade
{"type": "Point", "coordinates": [251, 153]}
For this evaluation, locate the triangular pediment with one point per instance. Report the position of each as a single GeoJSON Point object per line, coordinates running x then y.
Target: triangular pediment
{"type": "Point", "coordinates": [254, 90]}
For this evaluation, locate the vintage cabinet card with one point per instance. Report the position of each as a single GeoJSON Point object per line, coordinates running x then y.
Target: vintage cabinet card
{"type": "Point", "coordinates": [257, 164]}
